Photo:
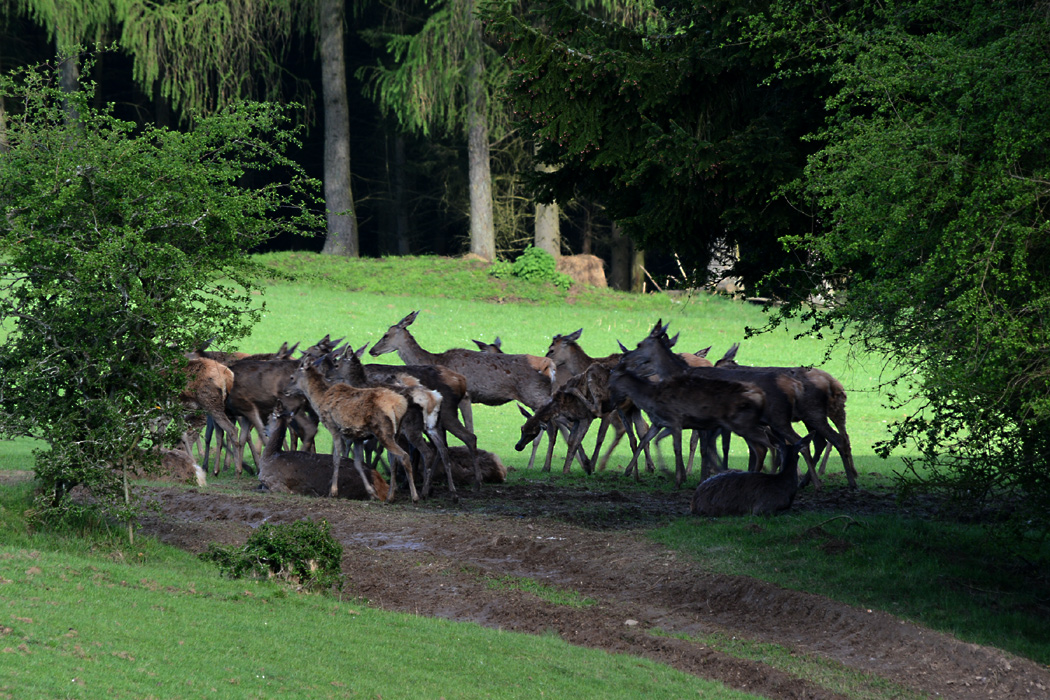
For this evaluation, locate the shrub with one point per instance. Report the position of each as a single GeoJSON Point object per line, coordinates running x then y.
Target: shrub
{"type": "Point", "coordinates": [302, 552]}
{"type": "Point", "coordinates": [534, 265]}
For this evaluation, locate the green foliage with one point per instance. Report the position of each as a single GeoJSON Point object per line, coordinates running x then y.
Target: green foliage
{"type": "Point", "coordinates": [122, 246]}
{"type": "Point", "coordinates": [534, 265]}
{"type": "Point", "coordinates": [932, 185]}
{"type": "Point", "coordinates": [668, 122]}
{"type": "Point", "coordinates": [303, 552]}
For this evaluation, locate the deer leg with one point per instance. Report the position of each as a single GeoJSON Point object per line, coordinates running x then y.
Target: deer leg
{"type": "Point", "coordinates": [442, 450]}
{"type": "Point", "coordinates": [603, 428]}
{"type": "Point", "coordinates": [679, 463]}
{"type": "Point", "coordinates": [642, 445]}
{"type": "Point", "coordinates": [573, 442]}
{"type": "Point", "coordinates": [469, 439]}
{"type": "Point", "coordinates": [338, 449]}
{"type": "Point", "coordinates": [468, 412]}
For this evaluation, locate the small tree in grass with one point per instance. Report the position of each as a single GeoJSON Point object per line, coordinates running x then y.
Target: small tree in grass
{"type": "Point", "coordinates": [120, 247]}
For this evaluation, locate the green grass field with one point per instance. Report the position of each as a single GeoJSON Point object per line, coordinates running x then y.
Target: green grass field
{"type": "Point", "coordinates": [82, 614]}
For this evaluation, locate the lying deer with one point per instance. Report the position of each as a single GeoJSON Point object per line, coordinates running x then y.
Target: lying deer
{"type": "Point", "coordinates": [750, 493]}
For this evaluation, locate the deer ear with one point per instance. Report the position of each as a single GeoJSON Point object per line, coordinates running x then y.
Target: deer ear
{"type": "Point", "coordinates": [360, 351]}
{"type": "Point", "coordinates": [703, 353]}
{"type": "Point", "coordinates": [574, 336]}
{"type": "Point", "coordinates": [524, 412]}
{"type": "Point", "coordinates": [657, 331]}
{"type": "Point", "coordinates": [481, 345]}
{"type": "Point", "coordinates": [498, 343]}
{"type": "Point", "coordinates": [672, 341]}
{"type": "Point", "coordinates": [731, 352]}
{"type": "Point", "coordinates": [407, 320]}
{"type": "Point", "coordinates": [622, 347]}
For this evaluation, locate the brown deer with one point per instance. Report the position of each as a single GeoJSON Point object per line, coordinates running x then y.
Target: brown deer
{"type": "Point", "coordinates": [451, 385]}
{"type": "Point", "coordinates": [698, 402]}
{"type": "Point", "coordinates": [208, 385]}
{"type": "Point", "coordinates": [493, 379]}
{"type": "Point", "coordinates": [654, 356]}
{"type": "Point", "coordinates": [823, 398]}
{"type": "Point", "coordinates": [307, 473]}
{"type": "Point", "coordinates": [352, 416]}
{"type": "Point", "coordinates": [571, 360]}
{"type": "Point", "coordinates": [750, 493]}
{"type": "Point", "coordinates": [422, 417]}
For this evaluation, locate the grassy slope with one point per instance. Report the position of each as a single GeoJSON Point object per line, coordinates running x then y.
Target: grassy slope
{"type": "Point", "coordinates": [458, 302]}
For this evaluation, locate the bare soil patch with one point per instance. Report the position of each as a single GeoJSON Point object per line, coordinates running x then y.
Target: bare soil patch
{"type": "Point", "coordinates": [439, 558]}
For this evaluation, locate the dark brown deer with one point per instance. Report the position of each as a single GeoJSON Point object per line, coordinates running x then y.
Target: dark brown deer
{"type": "Point", "coordinates": [453, 389]}
{"type": "Point", "coordinates": [493, 471]}
{"type": "Point", "coordinates": [352, 416]}
{"type": "Point", "coordinates": [823, 398]}
{"type": "Point", "coordinates": [691, 401]}
{"type": "Point", "coordinates": [493, 379]}
{"type": "Point", "coordinates": [259, 384]}
{"type": "Point", "coordinates": [750, 493]}
{"type": "Point", "coordinates": [307, 473]}
{"type": "Point", "coordinates": [654, 356]}
{"type": "Point", "coordinates": [571, 360]}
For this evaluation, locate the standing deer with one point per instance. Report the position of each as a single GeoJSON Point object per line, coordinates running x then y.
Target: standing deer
{"type": "Point", "coordinates": [306, 473]}
{"type": "Point", "coordinates": [823, 398]}
{"type": "Point", "coordinates": [423, 415]}
{"type": "Point", "coordinates": [453, 389]}
{"type": "Point", "coordinates": [782, 392]}
{"type": "Point", "coordinates": [695, 402]}
{"type": "Point", "coordinates": [493, 379]}
{"type": "Point", "coordinates": [353, 415]}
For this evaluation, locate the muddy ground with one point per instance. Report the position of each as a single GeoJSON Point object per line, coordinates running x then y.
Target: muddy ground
{"type": "Point", "coordinates": [437, 558]}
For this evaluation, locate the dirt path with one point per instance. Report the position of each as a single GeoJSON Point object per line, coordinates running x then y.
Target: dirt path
{"type": "Point", "coordinates": [587, 541]}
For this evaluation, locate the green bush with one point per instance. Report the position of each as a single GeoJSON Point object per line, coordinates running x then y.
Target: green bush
{"type": "Point", "coordinates": [534, 265]}
{"type": "Point", "coordinates": [302, 552]}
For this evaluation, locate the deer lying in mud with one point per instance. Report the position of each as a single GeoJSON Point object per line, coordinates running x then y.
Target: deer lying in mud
{"type": "Point", "coordinates": [750, 493]}
{"type": "Point", "coordinates": [493, 471]}
{"type": "Point", "coordinates": [352, 416]}
{"type": "Point", "coordinates": [307, 473]}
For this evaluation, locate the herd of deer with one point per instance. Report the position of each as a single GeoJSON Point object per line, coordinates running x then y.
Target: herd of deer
{"type": "Point", "coordinates": [408, 410]}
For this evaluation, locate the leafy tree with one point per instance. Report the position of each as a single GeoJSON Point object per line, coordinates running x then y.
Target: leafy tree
{"type": "Point", "coordinates": [119, 248]}
{"type": "Point", "coordinates": [931, 193]}
{"type": "Point", "coordinates": [671, 121]}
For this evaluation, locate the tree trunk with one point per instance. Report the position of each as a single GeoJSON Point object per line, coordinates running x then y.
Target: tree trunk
{"type": "Point", "coordinates": [637, 270]}
{"type": "Point", "coordinates": [620, 264]}
{"type": "Point", "coordinates": [482, 229]}
{"type": "Point", "coordinates": [400, 198]}
{"type": "Point", "coordinates": [342, 238]}
{"type": "Point", "coordinates": [548, 233]}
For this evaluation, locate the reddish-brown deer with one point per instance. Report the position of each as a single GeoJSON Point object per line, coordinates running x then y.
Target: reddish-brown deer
{"type": "Point", "coordinates": [353, 415]}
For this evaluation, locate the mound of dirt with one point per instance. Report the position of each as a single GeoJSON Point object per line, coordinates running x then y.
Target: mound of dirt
{"type": "Point", "coordinates": [588, 541]}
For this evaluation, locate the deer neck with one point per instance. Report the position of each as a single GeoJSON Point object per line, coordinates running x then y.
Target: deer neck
{"type": "Point", "coordinates": [276, 439]}
{"type": "Point", "coordinates": [411, 353]}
